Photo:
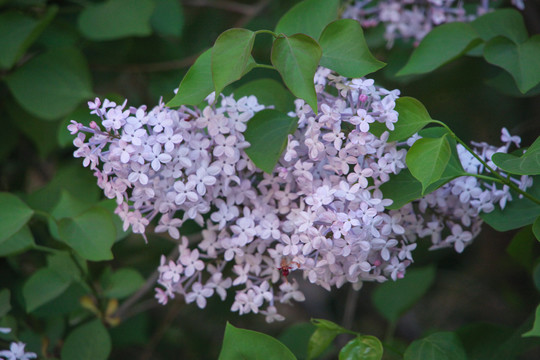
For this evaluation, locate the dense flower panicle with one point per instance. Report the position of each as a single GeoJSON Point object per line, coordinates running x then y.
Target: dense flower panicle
{"type": "Point", "coordinates": [414, 19]}
{"type": "Point", "coordinates": [321, 211]}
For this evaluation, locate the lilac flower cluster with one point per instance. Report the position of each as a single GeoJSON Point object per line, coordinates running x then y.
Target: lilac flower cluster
{"type": "Point", "coordinates": [455, 207]}
{"type": "Point", "coordinates": [321, 211]}
{"type": "Point", "coordinates": [413, 19]}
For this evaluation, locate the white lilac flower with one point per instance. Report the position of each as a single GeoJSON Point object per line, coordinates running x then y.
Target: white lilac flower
{"type": "Point", "coordinates": [16, 352]}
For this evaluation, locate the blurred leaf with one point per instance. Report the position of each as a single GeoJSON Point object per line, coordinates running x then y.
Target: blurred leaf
{"type": "Point", "coordinates": [14, 214]}
{"type": "Point", "coordinates": [246, 344]}
{"type": "Point", "coordinates": [345, 51]}
{"type": "Point", "coordinates": [504, 22]}
{"type": "Point", "coordinates": [63, 264]}
{"type": "Point", "coordinates": [74, 179]}
{"type": "Point", "coordinates": [267, 132]}
{"type": "Point", "coordinates": [43, 286]}
{"type": "Point", "coordinates": [536, 228]}
{"type": "Point", "coordinates": [91, 234]}
{"type": "Point", "coordinates": [5, 304]}
{"type": "Point", "coordinates": [52, 84]}
{"type": "Point", "coordinates": [521, 247]}
{"type": "Point", "coordinates": [268, 92]}
{"type": "Point", "coordinates": [427, 159]}
{"type": "Point", "coordinates": [231, 57]}
{"type": "Point", "coordinates": [66, 303]}
{"type": "Point", "coordinates": [168, 17]}
{"type": "Point", "coordinates": [363, 347]}
{"type": "Point", "coordinates": [90, 341]}
{"type": "Point", "coordinates": [116, 19]}
{"type": "Point", "coordinates": [121, 283]}
{"type": "Point", "coordinates": [197, 83]}
{"type": "Point", "coordinates": [437, 346]}
{"type": "Point", "coordinates": [296, 338]}
{"type": "Point", "coordinates": [441, 45]}
{"type": "Point", "coordinates": [517, 213]}
{"type": "Point", "coordinates": [519, 60]}
{"type": "Point", "coordinates": [536, 276]}
{"type": "Point", "coordinates": [296, 58]}
{"type": "Point", "coordinates": [482, 341]}
{"type": "Point", "coordinates": [535, 331]}
{"type": "Point", "coordinates": [41, 133]}
{"type": "Point", "coordinates": [526, 164]}
{"type": "Point", "coordinates": [393, 298]}
{"type": "Point", "coordinates": [308, 17]}
{"type": "Point", "coordinates": [110, 205]}
{"type": "Point", "coordinates": [18, 32]}
{"type": "Point", "coordinates": [17, 243]}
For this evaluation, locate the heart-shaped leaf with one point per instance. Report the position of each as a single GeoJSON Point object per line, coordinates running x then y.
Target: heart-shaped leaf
{"type": "Point", "coordinates": [520, 60]}
{"type": "Point", "coordinates": [296, 58]}
{"type": "Point", "coordinates": [345, 50]}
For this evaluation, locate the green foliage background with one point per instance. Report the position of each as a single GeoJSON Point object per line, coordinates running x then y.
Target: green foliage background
{"type": "Point", "coordinates": [56, 55]}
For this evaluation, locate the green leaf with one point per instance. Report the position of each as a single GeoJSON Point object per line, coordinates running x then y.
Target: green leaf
{"type": "Point", "coordinates": [116, 19]}
{"type": "Point", "coordinates": [404, 188]}
{"type": "Point", "coordinates": [231, 57]}
{"type": "Point", "coordinates": [320, 340]}
{"type": "Point", "coordinates": [440, 46]}
{"type": "Point", "coordinates": [520, 60]}
{"type": "Point", "coordinates": [110, 205]}
{"type": "Point", "coordinates": [268, 92]}
{"type": "Point", "coordinates": [18, 32]}
{"type": "Point", "coordinates": [536, 228]}
{"type": "Point", "coordinates": [517, 213]}
{"type": "Point", "coordinates": [427, 159]}
{"type": "Point", "coordinates": [267, 132]}
{"type": "Point", "coordinates": [63, 264]}
{"type": "Point", "coordinates": [521, 248]}
{"type": "Point", "coordinates": [5, 304]}
{"type": "Point", "coordinates": [168, 18]}
{"type": "Point", "coordinates": [19, 242]}
{"type": "Point", "coordinates": [535, 331]}
{"type": "Point", "coordinates": [502, 22]}
{"type": "Point", "coordinates": [121, 283]}
{"type": "Point", "coordinates": [413, 117]}
{"type": "Point", "coordinates": [246, 344]}
{"type": "Point", "coordinates": [363, 347]}
{"type": "Point", "coordinates": [75, 179]}
{"type": "Point", "coordinates": [197, 83]}
{"type": "Point", "coordinates": [14, 214]}
{"type": "Point", "coordinates": [393, 298]}
{"type": "Point", "coordinates": [40, 133]}
{"type": "Point", "coordinates": [90, 341]}
{"type": "Point", "coordinates": [308, 17]}
{"type": "Point", "coordinates": [296, 58]}
{"type": "Point", "coordinates": [526, 164]}
{"type": "Point", "coordinates": [482, 341]}
{"type": "Point", "coordinates": [91, 234]}
{"type": "Point", "coordinates": [52, 84]}
{"type": "Point", "coordinates": [296, 338]}
{"type": "Point", "coordinates": [345, 51]}
{"type": "Point", "coordinates": [43, 286]}
{"type": "Point", "coordinates": [437, 346]}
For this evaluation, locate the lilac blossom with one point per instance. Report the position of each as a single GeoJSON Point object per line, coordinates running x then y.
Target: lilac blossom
{"type": "Point", "coordinates": [321, 212]}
